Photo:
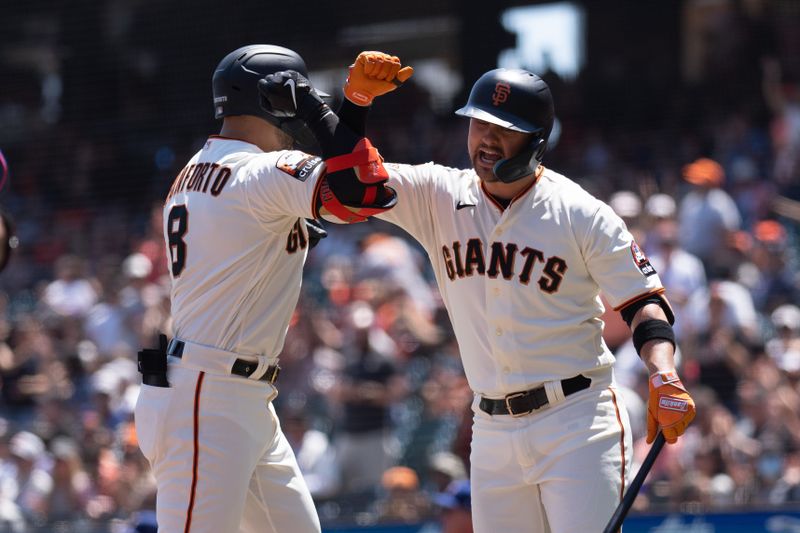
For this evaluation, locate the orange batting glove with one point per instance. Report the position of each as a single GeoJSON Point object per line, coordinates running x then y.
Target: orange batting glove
{"type": "Point", "coordinates": [374, 74]}
{"type": "Point", "coordinates": [669, 407]}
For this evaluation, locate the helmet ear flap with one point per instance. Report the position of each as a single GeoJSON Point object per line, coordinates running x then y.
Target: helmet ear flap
{"type": "Point", "coordinates": [523, 164]}
{"type": "Point", "coordinates": [538, 153]}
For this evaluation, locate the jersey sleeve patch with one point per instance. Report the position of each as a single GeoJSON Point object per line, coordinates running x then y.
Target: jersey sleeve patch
{"type": "Point", "coordinates": [641, 260]}
{"type": "Point", "coordinates": [298, 165]}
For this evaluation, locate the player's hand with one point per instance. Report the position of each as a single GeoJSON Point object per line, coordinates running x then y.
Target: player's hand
{"type": "Point", "coordinates": [669, 407]}
{"type": "Point", "coordinates": [374, 74]}
{"type": "Point", "coordinates": [288, 94]}
{"type": "Point", "coordinates": [315, 232]}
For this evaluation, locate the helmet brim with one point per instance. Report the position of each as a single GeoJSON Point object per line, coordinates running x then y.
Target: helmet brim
{"type": "Point", "coordinates": [498, 119]}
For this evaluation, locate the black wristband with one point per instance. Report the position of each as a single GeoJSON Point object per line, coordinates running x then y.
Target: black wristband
{"type": "Point", "coordinates": [629, 312]}
{"type": "Point", "coordinates": [652, 329]}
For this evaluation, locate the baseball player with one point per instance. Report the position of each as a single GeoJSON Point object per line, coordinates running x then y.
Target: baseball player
{"type": "Point", "coordinates": [521, 254]}
{"type": "Point", "coordinates": [236, 242]}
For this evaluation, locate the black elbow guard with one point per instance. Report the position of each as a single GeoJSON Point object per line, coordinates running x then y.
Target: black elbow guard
{"type": "Point", "coordinates": [652, 329]}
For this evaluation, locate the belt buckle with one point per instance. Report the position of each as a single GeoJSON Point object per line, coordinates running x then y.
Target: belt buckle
{"type": "Point", "coordinates": [508, 404]}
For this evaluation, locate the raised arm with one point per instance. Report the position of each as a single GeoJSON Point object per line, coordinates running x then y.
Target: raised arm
{"type": "Point", "coordinates": [372, 74]}
{"type": "Point", "coordinates": [354, 186]}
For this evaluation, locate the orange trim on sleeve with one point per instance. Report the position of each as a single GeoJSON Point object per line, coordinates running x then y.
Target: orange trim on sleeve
{"type": "Point", "coordinates": [635, 299]}
{"type": "Point", "coordinates": [621, 443]}
{"type": "Point", "coordinates": [196, 454]}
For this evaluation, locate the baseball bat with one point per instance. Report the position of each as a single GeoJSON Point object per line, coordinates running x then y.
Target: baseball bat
{"type": "Point", "coordinates": [624, 506]}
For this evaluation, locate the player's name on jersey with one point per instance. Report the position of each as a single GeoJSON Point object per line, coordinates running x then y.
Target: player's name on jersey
{"type": "Point", "coordinates": [201, 177]}
{"type": "Point", "coordinates": [501, 259]}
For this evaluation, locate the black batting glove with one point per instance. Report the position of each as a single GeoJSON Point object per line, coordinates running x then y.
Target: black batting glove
{"type": "Point", "coordinates": [315, 232]}
{"type": "Point", "coordinates": [288, 94]}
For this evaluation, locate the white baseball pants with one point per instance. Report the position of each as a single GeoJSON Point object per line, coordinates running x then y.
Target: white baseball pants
{"type": "Point", "coordinates": [561, 469]}
{"type": "Point", "coordinates": [221, 461]}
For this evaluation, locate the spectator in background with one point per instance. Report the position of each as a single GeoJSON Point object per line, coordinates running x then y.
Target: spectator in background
{"type": "Point", "coordinates": [659, 206]}
{"type": "Point", "coordinates": [29, 368]}
{"type": "Point", "coordinates": [152, 244]}
{"type": "Point", "coordinates": [395, 263]}
{"type": "Point", "coordinates": [445, 468]}
{"type": "Point", "coordinates": [783, 99]}
{"type": "Point", "coordinates": [455, 504]}
{"type": "Point", "coordinates": [787, 488]}
{"type": "Point", "coordinates": [108, 324]}
{"type": "Point", "coordinates": [681, 272]}
{"type": "Point", "coordinates": [402, 500]}
{"type": "Point", "coordinates": [136, 269]}
{"type": "Point", "coordinates": [21, 383]}
{"type": "Point", "coordinates": [628, 206]}
{"type": "Point", "coordinates": [106, 499]}
{"type": "Point", "coordinates": [720, 340]}
{"type": "Point", "coordinates": [784, 347]}
{"type": "Point", "coordinates": [142, 522]}
{"type": "Point", "coordinates": [723, 303]}
{"type": "Point", "coordinates": [71, 483]}
{"type": "Point", "coordinates": [27, 478]}
{"type": "Point", "coordinates": [767, 417]}
{"type": "Point", "coordinates": [369, 385]}
{"type": "Point", "coordinates": [315, 454]}
{"type": "Point", "coordinates": [72, 293]}
{"type": "Point", "coordinates": [771, 278]}
{"type": "Point", "coordinates": [708, 216]}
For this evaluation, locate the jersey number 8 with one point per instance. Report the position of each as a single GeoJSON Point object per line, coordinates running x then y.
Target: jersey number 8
{"type": "Point", "coordinates": [177, 226]}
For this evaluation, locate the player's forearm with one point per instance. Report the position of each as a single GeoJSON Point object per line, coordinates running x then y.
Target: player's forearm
{"type": "Point", "coordinates": [354, 116]}
{"type": "Point", "coordinates": [336, 138]}
{"type": "Point", "coordinates": [657, 354]}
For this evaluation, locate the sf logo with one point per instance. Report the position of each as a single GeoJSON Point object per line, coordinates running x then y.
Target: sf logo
{"type": "Point", "coordinates": [501, 92]}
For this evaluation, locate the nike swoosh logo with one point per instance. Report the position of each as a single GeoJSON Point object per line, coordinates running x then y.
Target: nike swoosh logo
{"type": "Point", "coordinates": [290, 83]}
{"type": "Point", "coordinates": [462, 205]}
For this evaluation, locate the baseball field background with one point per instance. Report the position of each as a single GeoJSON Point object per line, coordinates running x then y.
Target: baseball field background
{"type": "Point", "coordinates": [103, 101]}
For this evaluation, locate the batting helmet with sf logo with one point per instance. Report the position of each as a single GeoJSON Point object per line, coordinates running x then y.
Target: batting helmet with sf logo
{"type": "Point", "coordinates": [512, 98]}
{"type": "Point", "coordinates": [518, 100]}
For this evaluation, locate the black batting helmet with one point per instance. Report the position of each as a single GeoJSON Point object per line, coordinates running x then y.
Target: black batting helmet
{"type": "Point", "coordinates": [518, 100]}
{"type": "Point", "coordinates": [235, 85]}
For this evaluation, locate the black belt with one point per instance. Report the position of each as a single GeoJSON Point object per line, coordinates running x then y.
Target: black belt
{"type": "Point", "coordinates": [240, 366]}
{"type": "Point", "coordinates": [522, 403]}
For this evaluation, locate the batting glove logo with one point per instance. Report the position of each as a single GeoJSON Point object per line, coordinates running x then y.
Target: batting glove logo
{"type": "Point", "coordinates": [673, 404]}
{"type": "Point", "coordinates": [290, 83]}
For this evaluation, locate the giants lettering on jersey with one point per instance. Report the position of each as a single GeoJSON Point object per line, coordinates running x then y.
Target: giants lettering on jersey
{"type": "Point", "coordinates": [506, 260]}
{"type": "Point", "coordinates": [201, 177]}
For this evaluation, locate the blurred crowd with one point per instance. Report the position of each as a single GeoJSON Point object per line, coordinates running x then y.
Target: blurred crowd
{"type": "Point", "coordinates": [372, 392]}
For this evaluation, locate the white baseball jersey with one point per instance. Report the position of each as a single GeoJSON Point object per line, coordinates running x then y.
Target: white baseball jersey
{"type": "Point", "coordinates": [237, 241]}
{"type": "Point", "coordinates": [236, 266]}
{"type": "Point", "coordinates": [521, 284]}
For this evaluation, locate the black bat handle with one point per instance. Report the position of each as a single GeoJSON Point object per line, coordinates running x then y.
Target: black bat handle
{"type": "Point", "coordinates": [624, 506]}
